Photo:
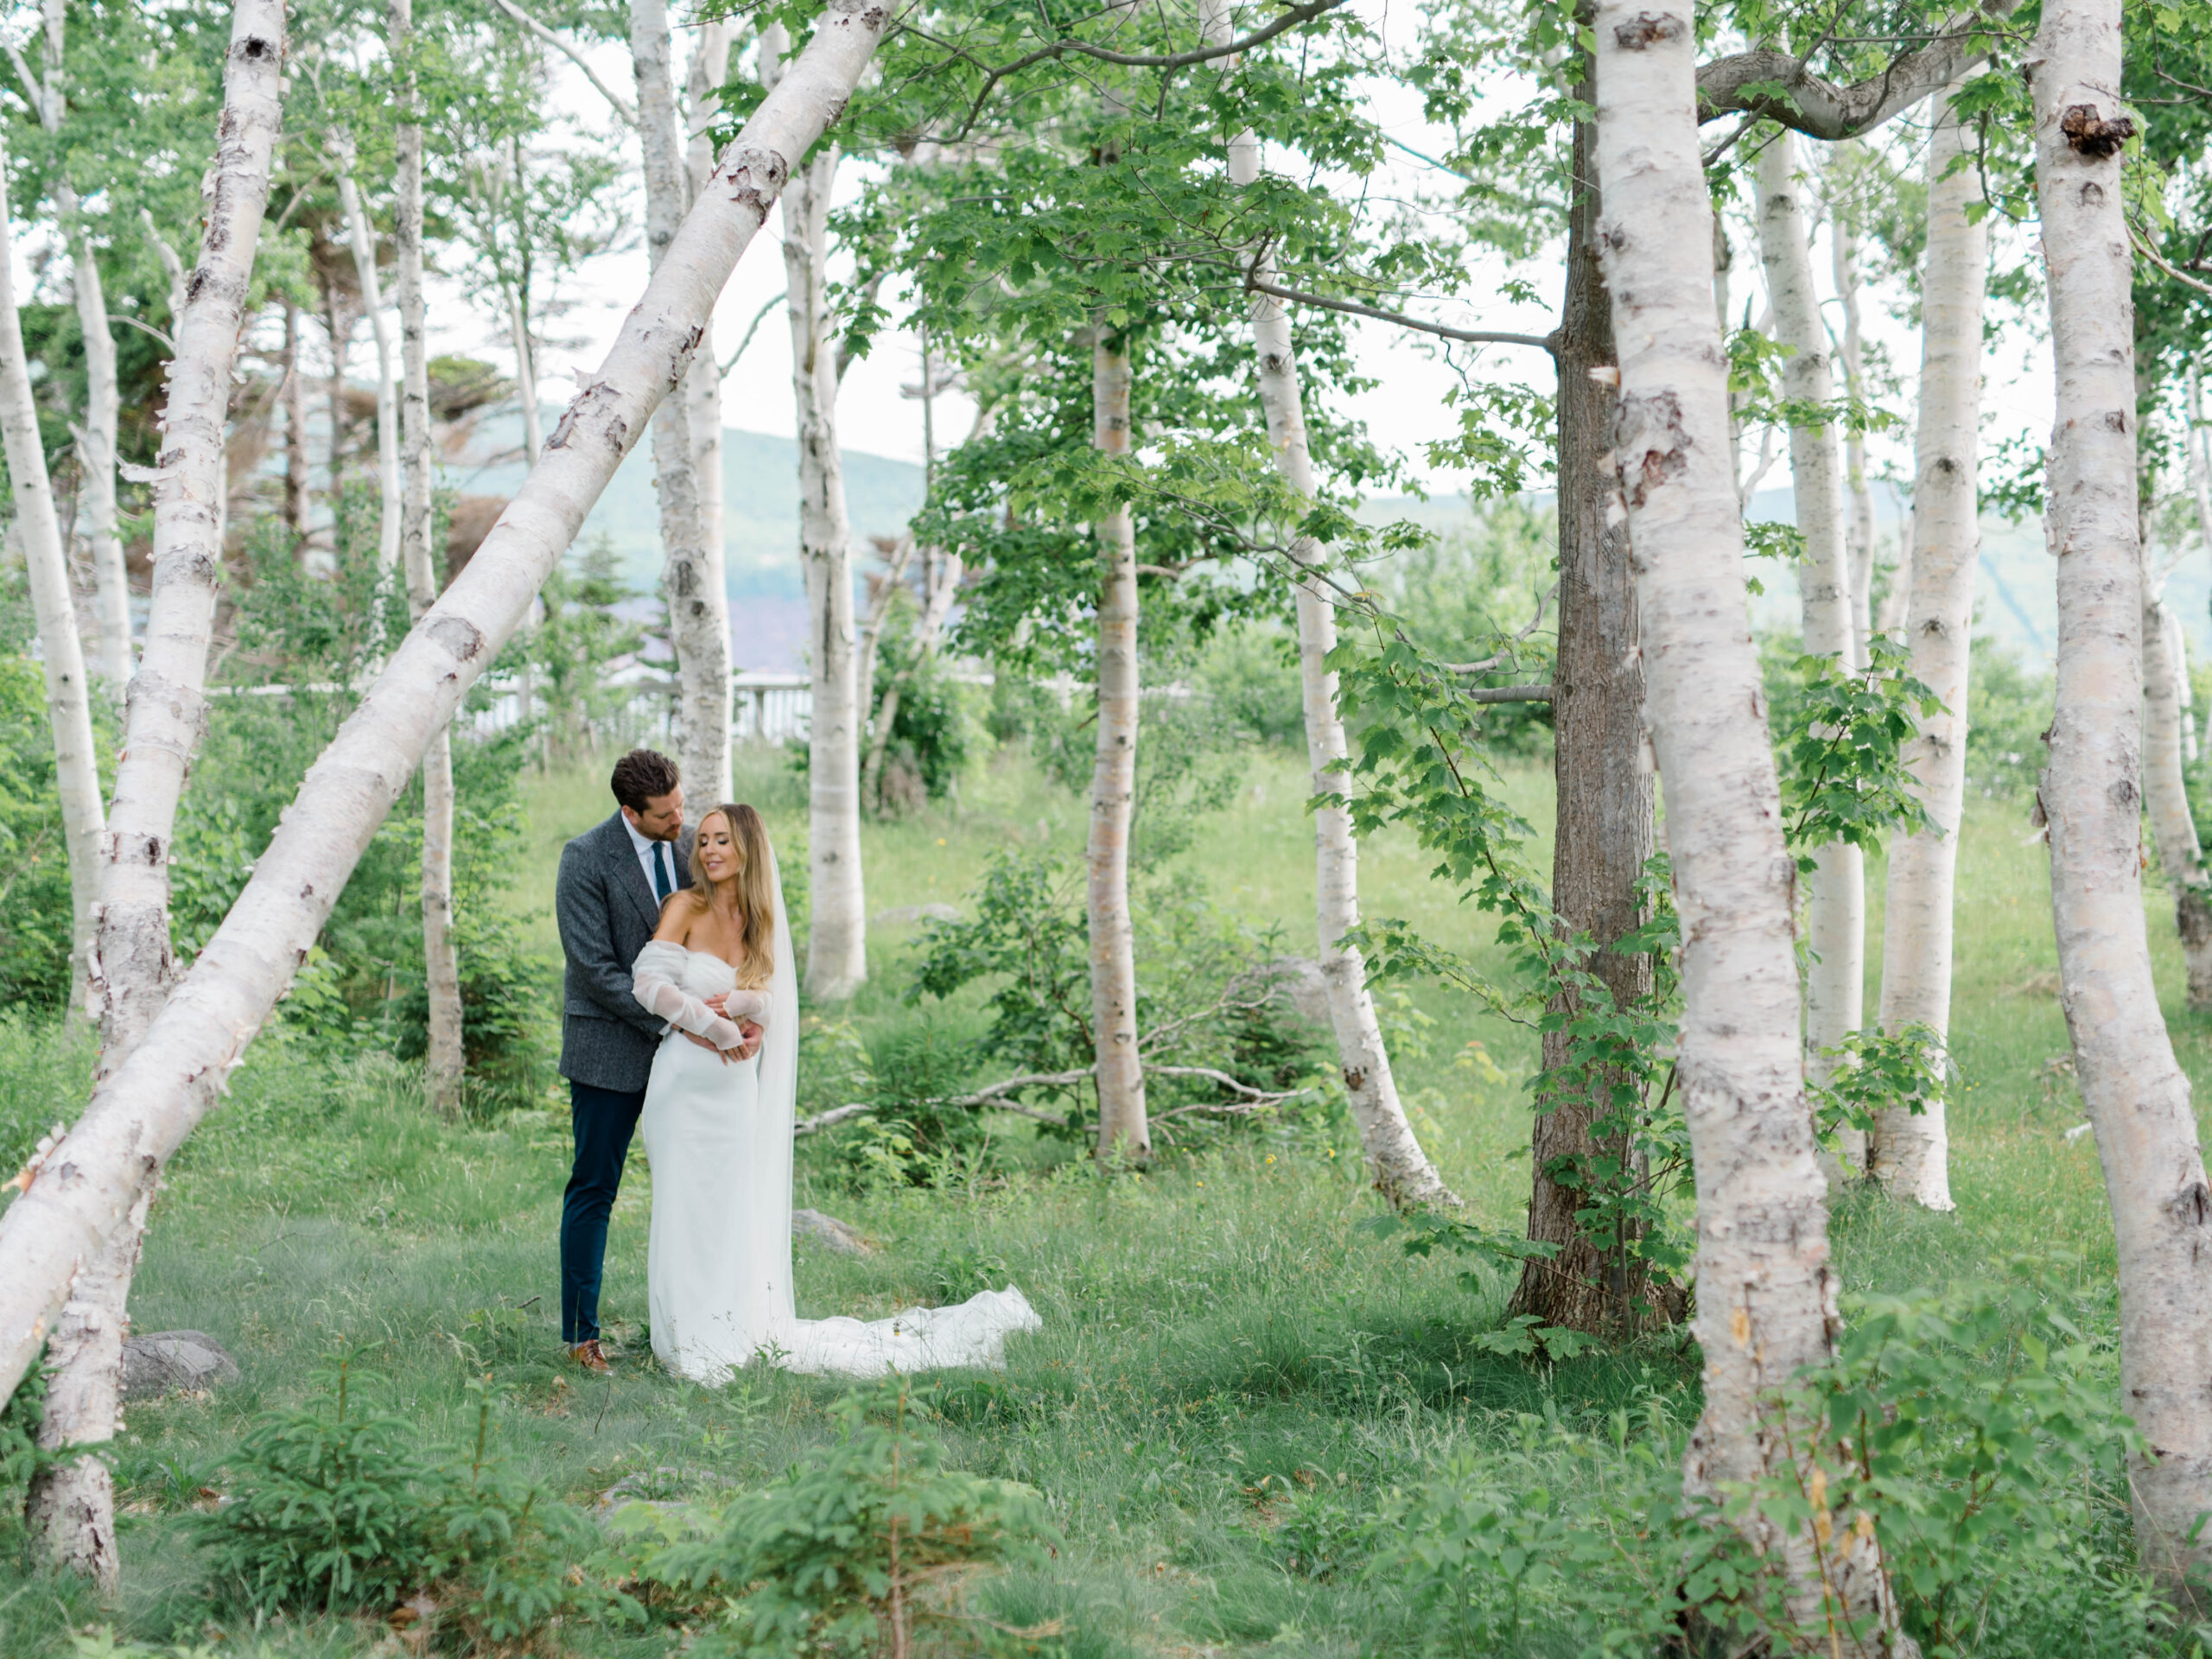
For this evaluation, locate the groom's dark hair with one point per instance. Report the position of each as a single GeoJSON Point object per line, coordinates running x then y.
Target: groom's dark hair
{"type": "Point", "coordinates": [640, 775]}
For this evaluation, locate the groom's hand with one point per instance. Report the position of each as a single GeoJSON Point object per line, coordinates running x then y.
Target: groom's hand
{"type": "Point", "coordinates": [724, 1055]}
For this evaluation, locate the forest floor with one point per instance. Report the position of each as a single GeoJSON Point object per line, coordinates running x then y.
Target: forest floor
{"type": "Point", "coordinates": [1232, 1367]}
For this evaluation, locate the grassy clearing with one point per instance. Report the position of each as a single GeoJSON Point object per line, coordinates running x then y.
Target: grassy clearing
{"type": "Point", "coordinates": [1232, 1371]}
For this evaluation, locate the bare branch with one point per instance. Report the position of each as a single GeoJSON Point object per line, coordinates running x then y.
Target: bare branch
{"type": "Point", "coordinates": [1508, 693]}
{"type": "Point", "coordinates": [1471, 336]}
{"type": "Point", "coordinates": [1776, 85]}
{"type": "Point", "coordinates": [560, 43]}
{"type": "Point", "coordinates": [751, 330]}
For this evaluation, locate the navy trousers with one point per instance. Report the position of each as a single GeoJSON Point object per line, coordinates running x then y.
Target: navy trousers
{"type": "Point", "coordinates": [604, 1120]}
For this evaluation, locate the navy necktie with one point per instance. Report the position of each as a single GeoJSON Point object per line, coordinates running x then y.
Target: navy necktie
{"type": "Point", "coordinates": [663, 885]}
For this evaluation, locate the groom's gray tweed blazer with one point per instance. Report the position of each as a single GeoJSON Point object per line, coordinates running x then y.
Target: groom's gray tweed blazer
{"type": "Point", "coordinates": [607, 912]}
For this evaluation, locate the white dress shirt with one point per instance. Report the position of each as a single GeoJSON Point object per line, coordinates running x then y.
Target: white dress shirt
{"type": "Point", "coordinates": [645, 858]}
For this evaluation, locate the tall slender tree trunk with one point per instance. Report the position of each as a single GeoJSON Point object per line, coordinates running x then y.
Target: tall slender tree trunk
{"type": "Point", "coordinates": [703, 396]}
{"type": "Point", "coordinates": [391, 508]}
{"type": "Point", "coordinates": [1605, 832]}
{"type": "Point", "coordinates": [295, 429]}
{"type": "Point", "coordinates": [61, 650]}
{"type": "Point", "coordinates": [1399, 1168]}
{"type": "Point", "coordinates": [137, 1119]}
{"type": "Point", "coordinates": [1765, 1290]}
{"type": "Point", "coordinates": [1124, 1131]}
{"type": "Point", "coordinates": [1858, 519]}
{"type": "Point", "coordinates": [2138, 1098]}
{"type": "Point", "coordinates": [1835, 917]}
{"type": "Point", "coordinates": [2165, 790]}
{"type": "Point", "coordinates": [70, 1507]}
{"type": "Point", "coordinates": [1909, 1154]}
{"type": "Point", "coordinates": [691, 582]}
{"type": "Point", "coordinates": [836, 942]}
{"type": "Point", "coordinates": [533, 429]}
{"type": "Point", "coordinates": [444, 1064]}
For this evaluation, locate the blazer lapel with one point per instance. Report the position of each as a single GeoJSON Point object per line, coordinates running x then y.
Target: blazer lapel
{"type": "Point", "coordinates": [631, 877]}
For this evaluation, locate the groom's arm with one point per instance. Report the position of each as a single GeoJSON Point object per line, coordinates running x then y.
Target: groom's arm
{"type": "Point", "coordinates": [582, 908]}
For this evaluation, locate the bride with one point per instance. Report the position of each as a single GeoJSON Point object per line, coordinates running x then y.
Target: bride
{"type": "Point", "coordinates": [717, 1123]}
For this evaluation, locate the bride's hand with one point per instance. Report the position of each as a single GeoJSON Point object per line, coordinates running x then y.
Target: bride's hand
{"type": "Point", "coordinates": [751, 1045]}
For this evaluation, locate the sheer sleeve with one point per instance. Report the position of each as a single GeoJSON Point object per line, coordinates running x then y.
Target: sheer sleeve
{"type": "Point", "coordinates": [655, 984]}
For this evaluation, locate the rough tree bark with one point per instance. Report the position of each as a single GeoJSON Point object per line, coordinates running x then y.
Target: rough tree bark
{"type": "Point", "coordinates": [1604, 818]}
{"type": "Point", "coordinates": [46, 564]}
{"type": "Point", "coordinates": [443, 1061]}
{"type": "Point", "coordinates": [1766, 1293]}
{"type": "Point", "coordinates": [84, 1188]}
{"type": "Point", "coordinates": [1835, 909]}
{"type": "Point", "coordinates": [1400, 1169]}
{"type": "Point", "coordinates": [1124, 1131]}
{"type": "Point", "coordinates": [2138, 1098]}
{"type": "Point", "coordinates": [71, 1506]}
{"type": "Point", "coordinates": [691, 578]}
{"type": "Point", "coordinates": [1909, 1154]}
{"type": "Point", "coordinates": [837, 940]}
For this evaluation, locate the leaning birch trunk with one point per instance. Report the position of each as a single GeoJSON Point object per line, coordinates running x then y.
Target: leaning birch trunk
{"type": "Point", "coordinates": [68, 709]}
{"type": "Point", "coordinates": [837, 940]}
{"type": "Point", "coordinates": [2138, 1098]}
{"type": "Point", "coordinates": [136, 1120]}
{"type": "Point", "coordinates": [1124, 1131]}
{"type": "Point", "coordinates": [71, 1509]}
{"type": "Point", "coordinates": [391, 507]}
{"type": "Point", "coordinates": [1766, 1293]}
{"type": "Point", "coordinates": [1910, 1152]}
{"type": "Point", "coordinates": [443, 1060]}
{"type": "Point", "coordinates": [96, 441]}
{"type": "Point", "coordinates": [1835, 909]}
{"type": "Point", "coordinates": [1401, 1171]}
{"type": "Point", "coordinates": [691, 584]}
{"type": "Point", "coordinates": [2165, 790]}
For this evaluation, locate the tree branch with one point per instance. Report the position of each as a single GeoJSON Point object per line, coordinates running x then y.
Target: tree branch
{"type": "Point", "coordinates": [1779, 86]}
{"type": "Point", "coordinates": [751, 330]}
{"type": "Point", "coordinates": [623, 107]}
{"type": "Point", "coordinates": [1471, 336]}
{"type": "Point", "coordinates": [1509, 693]}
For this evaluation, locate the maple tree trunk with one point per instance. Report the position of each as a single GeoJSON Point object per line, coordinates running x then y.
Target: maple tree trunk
{"type": "Point", "coordinates": [2138, 1098]}
{"type": "Point", "coordinates": [1124, 1132]}
{"type": "Point", "coordinates": [1401, 1171]}
{"type": "Point", "coordinates": [138, 1117]}
{"type": "Point", "coordinates": [1766, 1292]}
{"type": "Point", "coordinates": [692, 571]}
{"type": "Point", "coordinates": [1910, 1152]}
{"type": "Point", "coordinates": [443, 1060]}
{"type": "Point", "coordinates": [1835, 907]}
{"type": "Point", "coordinates": [1603, 834]}
{"type": "Point", "coordinates": [61, 648]}
{"type": "Point", "coordinates": [71, 1505]}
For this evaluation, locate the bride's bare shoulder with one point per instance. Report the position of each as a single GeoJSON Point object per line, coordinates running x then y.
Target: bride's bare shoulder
{"type": "Point", "coordinates": [677, 912]}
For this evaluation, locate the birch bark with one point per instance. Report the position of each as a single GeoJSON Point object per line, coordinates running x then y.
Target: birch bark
{"type": "Point", "coordinates": [836, 942]}
{"type": "Point", "coordinates": [691, 582]}
{"type": "Point", "coordinates": [1909, 1154]}
{"type": "Point", "coordinates": [1766, 1293]}
{"type": "Point", "coordinates": [2138, 1098]}
{"type": "Point", "coordinates": [2166, 789]}
{"type": "Point", "coordinates": [139, 1117]}
{"type": "Point", "coordinates": [1401, 1171]}
{"type": "Point", "coordinates": [70, 1507]}
{"type": "Point", "coordinates": [443, 1060]}
{"type": "Point", "coordinates": [46, 563]}
{"type": "Point", "coordinates": [702, 397]}
{"type": "Point", "coordinates": [362, 239]}
{"type": "Point", "coordinates": [1835, 909]}
{"type": "Point", "coordinates": [1124, 1132]}
{"type": "Point", "coordinates": [1859, 499]}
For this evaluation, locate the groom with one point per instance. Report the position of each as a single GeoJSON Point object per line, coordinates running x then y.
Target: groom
{"type": "Point", "coordinates": [614, 879]}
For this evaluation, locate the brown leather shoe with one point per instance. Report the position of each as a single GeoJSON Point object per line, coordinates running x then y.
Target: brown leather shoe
{"type": "Point", "coordinates": [588, 1355]}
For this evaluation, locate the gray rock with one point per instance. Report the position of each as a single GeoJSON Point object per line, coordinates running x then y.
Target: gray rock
{"type": "Point", "coordinates": [1298, 982]}
{"type": "Point", "coordinates": [165, 1361]}
{"type": "Point", "coordinates": [906, 915]}
{"type": "Point", "coordinates": [830, 1232]}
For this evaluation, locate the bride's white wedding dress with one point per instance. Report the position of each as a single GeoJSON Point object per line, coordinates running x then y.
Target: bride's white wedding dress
{"type": "Point", "coordinates": [718, 1136]}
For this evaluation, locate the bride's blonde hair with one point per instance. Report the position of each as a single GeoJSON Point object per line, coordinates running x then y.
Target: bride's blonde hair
{"type": "Point", "coordinates": [753, 888]}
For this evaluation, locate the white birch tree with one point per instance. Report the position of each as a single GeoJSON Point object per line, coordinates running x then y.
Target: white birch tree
{"type": "Point", "coordinates": [1835, 910]}
{"type": "Point", "coordinates": [71, 1509]}
{"type": "Point", "coordinates": [2165, 784]}
{"type": "Point", "coordinates": [1909, 1153]}
{"type": "Point", "coordinates": [2138, 1098]}
{"type": "Point", "coordinates": [82, 1191]}
{"type": "Point", "coordinates": [443, 1060]}
{"type": "Point", "coordinates": [1766, 1291]}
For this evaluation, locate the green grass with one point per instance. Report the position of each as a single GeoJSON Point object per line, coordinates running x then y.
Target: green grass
{"type": "Point", "coordinates": [1224, 1344]}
